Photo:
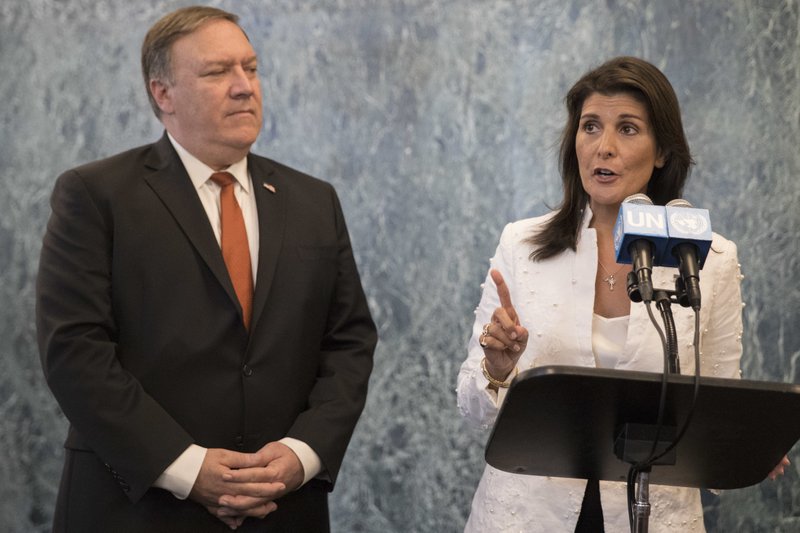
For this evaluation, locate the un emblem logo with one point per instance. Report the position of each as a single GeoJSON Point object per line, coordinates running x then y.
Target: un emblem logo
{"type": "Point", "coordinates": [688, 222]}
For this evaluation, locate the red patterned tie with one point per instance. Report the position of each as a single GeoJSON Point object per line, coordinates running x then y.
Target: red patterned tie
{"type": "Point", "coordinates": [235, 248]}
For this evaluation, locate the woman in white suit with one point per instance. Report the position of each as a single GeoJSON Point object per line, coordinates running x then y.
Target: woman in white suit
{"type": "Point", "coordinates": [556, 295]}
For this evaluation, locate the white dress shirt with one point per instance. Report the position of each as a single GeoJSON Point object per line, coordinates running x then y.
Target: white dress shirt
{"type": "Point", "coordinates": [179, 477]}
{"type": "Point", "coordinates": [554, 299]}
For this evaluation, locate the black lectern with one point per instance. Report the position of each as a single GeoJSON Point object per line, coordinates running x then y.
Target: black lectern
{"type": "Point", "coordinates": [564, 421]}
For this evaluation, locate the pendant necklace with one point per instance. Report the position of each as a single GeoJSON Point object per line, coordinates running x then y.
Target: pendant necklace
{"type": "Point", "coordinates": [610, 279]}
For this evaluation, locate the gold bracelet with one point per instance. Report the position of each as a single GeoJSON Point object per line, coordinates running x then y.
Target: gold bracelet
{"type": "Point", "coordinates": [496, 382]}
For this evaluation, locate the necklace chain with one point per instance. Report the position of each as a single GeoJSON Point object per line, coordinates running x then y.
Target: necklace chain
{"type": "Point", "coordinates": [610, 279]}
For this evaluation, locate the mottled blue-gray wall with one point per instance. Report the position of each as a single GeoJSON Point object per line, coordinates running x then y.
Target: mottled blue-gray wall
{"type": "Point", "coordinates": [437, 122]}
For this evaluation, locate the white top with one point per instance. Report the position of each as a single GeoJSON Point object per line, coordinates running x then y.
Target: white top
{"type": "Point", "coordinates": [554, 300]}
{"type": "Point", "coordinates": [608, 340]}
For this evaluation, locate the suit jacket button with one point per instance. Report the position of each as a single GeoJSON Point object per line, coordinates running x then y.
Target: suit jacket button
{"type": "Point", "coordinates": [247, 371]}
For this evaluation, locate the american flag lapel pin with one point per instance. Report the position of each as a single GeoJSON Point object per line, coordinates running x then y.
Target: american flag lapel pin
{"type": "Point", "coordinates": [270, 187]}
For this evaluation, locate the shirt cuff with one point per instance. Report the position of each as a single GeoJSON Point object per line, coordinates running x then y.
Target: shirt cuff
{"type": "Point", "coordinates": [312, 464]}
{"type": "Point", "coordinates": [179, 477]}
{"type": "Point", "coordinates": [496, 397]}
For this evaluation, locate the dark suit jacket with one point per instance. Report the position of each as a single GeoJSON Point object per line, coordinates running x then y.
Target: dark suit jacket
{"type": "Point", "coordinates": [143, 345]}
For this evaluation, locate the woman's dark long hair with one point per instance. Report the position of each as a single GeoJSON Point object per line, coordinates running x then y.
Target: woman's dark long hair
{"type": "Point", "coordinates": [644, 82]}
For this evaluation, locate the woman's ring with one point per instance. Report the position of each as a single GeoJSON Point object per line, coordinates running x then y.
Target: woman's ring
{"type": "Point", "coordinates": [484, 334]}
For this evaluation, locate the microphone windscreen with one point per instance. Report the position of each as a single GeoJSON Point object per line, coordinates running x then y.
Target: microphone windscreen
{"type": "Point", "coordinates": [679, 202]}
{"type": "Point", "coordinates": [638, 198]}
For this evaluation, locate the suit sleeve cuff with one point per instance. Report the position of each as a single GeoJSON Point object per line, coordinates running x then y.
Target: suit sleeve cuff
{"type": "Point", "coordinates": [496, 397]}
{"type": "Point", "coordinates": [312, 464]}
{"type": "Point", "coordinates": [179, 477]}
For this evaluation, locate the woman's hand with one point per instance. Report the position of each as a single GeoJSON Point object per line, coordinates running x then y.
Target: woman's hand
{"type": "Point", "coordinates": [778, 470]}
{"type": "Point", "coordinates": [503, 339]}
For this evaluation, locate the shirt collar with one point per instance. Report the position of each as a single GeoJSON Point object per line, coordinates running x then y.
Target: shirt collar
{"type": "Point", "coordinates": [199, 172]}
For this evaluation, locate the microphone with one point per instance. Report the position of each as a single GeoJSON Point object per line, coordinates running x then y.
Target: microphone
{"type": "Point", "coordinates": [640, 237]}
{"type": "Point", "coordinates": [689, 231]}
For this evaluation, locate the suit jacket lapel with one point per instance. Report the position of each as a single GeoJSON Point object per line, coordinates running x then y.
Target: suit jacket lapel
{"type": "Point", "coordinates": [271, 201]}
{"type": "Point", "coordinates": [171, 183]}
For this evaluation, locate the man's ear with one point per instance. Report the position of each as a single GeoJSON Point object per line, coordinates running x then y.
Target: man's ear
{"type": "Point", "coordinates": [162, 94]}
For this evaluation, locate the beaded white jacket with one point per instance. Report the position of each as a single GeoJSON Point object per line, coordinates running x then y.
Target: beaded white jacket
{"type": "Point", "coordinates": [554, 300]}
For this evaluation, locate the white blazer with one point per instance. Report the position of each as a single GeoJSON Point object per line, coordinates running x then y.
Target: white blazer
{"type": "Point", "coordinates": [554, 299]}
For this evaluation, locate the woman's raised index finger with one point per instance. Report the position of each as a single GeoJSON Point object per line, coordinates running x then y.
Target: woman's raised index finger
{"type": "Point", "coordinates": [502, 291]}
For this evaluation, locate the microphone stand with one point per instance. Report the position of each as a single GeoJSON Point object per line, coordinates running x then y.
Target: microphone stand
{"type": "Point", "coordinates": [664, 300]}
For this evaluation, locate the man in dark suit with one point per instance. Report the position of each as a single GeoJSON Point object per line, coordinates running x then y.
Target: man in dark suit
{"type": "Point", "coordinates": [198, 401]}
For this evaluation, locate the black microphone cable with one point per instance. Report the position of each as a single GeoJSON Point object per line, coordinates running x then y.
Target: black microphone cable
{"type": "Point", "coordinates": [634, 470]}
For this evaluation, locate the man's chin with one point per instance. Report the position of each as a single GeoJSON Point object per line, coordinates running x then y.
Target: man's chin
{"type": "Point", "coordinates": [243, 139]}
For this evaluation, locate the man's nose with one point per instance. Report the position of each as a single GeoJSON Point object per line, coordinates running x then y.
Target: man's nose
{"type": "Point", "coordinates": [244, 82]}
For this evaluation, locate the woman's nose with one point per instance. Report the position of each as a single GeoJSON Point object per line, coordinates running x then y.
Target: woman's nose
{"type": "Point", "coordinates": [607, 146]}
